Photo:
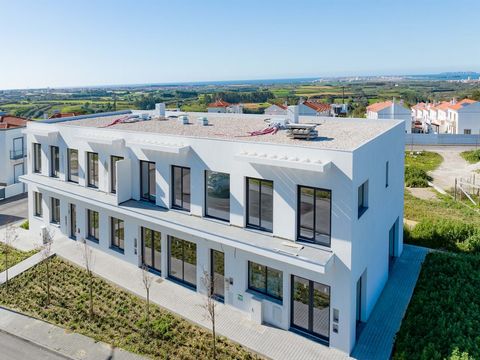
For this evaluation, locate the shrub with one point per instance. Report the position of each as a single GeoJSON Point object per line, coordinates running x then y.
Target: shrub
{"type": "Point", "coordinates": [25, 225]}
{"type": "Point", "coordinates": [472, 156]}
{"type": "Point", "coordinates": [416, 177]}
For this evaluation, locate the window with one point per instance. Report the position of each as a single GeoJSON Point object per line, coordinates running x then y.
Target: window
{"type": "Point", "coordinates": [265, 280]}
{"type": "Point", "coordinates": [37, 158]}
{"type": "Point", "coordinates": [18, 170]}
{"type": "Point", "coordinates": [182, 265]}
{"type": "Point", "coordinates": [72, 155]}
{"type": "Point", "coordinates": [467, 131]}
{"type": "Point", "coordinates": [117, 229]}
{"type": "Point", "coordinates": [217, 195]}
{"type": "Point", "coordinates": [113, 172]}
{"type": "Point", "coordinates": [55, 211]}
{"type": "Point", "coordinates": [260, 204]}
{"type": "Point", "coordinates": [152, 249]}
{"type": "Point", "coordinates": [93, 226]}
{"type": "Point", "coordinates": [54, 161]}
{"type": "Point", "coordinates": [18, 151]}
{"type": "Point", "coordinates": [314, 215]}
{"type": "Point", "coordinates": [181, 188]}
{"type": "Point", "coordinates": [386, 173]}
{"type": "Point", "coordinates": [92, 169]}
{"type": "Point", "coordinates": [362, 198]}
{"type": "Point", "coordinates": [37, 204]}
{"type": "Point", "coordinates": [147, 181]}
{"type": "Point", "coordinates": [73, 221]}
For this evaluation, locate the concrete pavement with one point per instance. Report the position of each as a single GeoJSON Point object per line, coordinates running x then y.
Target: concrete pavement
{"type": "Point", "coordinates": [13, 209]}
{"type": "Point", "coordinates": [15, 348]}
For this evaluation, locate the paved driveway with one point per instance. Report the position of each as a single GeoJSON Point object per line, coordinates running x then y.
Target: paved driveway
{"type": "Point", "coordinates": [14, 348]}
{"type": "Point", "coordinates": [13, 209]}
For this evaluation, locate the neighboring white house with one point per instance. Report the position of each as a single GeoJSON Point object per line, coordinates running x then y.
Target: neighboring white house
{"type": "Point", "coordinates": [276, 109]}
{"type": "Point", "coordinates": [221, 106]}
{"type": "Point", "coordinates": [391, 110]}
{"type": "Point", "coordinates": [301, 233]}
{"type": "Point", "coordinates": [12, 155]}
{"type": "Point", "coordinates": [464, 117]}
{"type": "Point", "coordinates": [310, 108]}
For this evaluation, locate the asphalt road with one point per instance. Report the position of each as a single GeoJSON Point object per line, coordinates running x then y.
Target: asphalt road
{"type": "Point", "coordinates": [14, 348]}
{"type": "Point", "coordinates": [11, 210]}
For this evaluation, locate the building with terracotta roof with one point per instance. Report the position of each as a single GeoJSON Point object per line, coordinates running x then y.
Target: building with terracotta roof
{"type": "Point", "coordinates": [390, 110]}
{"type": "Point", "coordinates": [276, 109]}
{"type": "Point", "coordinates": [221, 106]}
{"type": "Point", "coordinates": [311, 108]}
{"type": "Point", "coordinates": [12, 155]}
{"type": "Point", "coordinates": [463, 117]}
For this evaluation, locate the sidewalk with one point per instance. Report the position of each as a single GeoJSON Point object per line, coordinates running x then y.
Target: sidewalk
{"type": "Point", "coordinates": [58, 340]}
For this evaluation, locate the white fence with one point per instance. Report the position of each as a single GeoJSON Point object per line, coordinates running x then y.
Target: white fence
{"type": "Point", "coordinates": [12, 190]}
{"type": "Point", "coordinates": [441, 139]}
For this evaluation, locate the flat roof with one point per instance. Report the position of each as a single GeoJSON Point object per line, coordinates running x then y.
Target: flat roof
{"type": "Point", "coordinates": [333, 133]}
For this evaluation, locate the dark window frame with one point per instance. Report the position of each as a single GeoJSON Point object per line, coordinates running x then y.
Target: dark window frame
{"type": "Point", "coordinates": [113, 175]}
{"type": "Point", "coordinates": [253, 226]}
{"type": "Point", "coordinates": [115, 243]}
{"type": "Point", "coordinates": [54, 161]}
{"type": "Point", "coordinates": [363, 205]}
{"type": "Point", "coordinates": [312, 240]}
{"type": "Point", "coordinates": [69, 167]}
{"type": "Point", "coordinates": [387, 174]}
{"type": "Point", "coordinates": [73, 220]}
{"type": "Point", "coordinates": [206, 196]}
{"type": "Point", "coordinates": [173, 277]}
{"type": "Point", "coordinates": [90, 183]}
{"type": "Point", "coordinates": [264, 292]}
{"type": "Point", "coordinates": [55, 211]}
{"type": "Point", "coordinates": [153, 268]}
{"type": "Point", "coordinates": [91, 236]}
{"type": "Point", "coordinates": [37, 158]}
{"type": "Point", "coordinates": [37, 201]}
{"type": "Point", "coordinates": [151, 198]}
{"type": "Point", "coordinates": [182, 192]}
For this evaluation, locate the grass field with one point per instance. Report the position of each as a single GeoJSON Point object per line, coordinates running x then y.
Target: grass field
{"type": "Point", "coordinates": [443, 318]}
{"type": "Point", "coordinates": [119, 317]}
{"type": "Point", "coordinates": [472, 156]}
{"type": "Point", "coordinates": [14, 256]}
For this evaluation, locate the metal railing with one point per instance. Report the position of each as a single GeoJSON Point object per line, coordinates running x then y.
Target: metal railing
{"type": "Point", "coordinates": [17, 154]}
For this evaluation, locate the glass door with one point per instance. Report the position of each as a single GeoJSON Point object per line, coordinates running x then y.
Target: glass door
{"type": "Point", "coordinates": [310, 309]}
{"type": "Point", "coordinates": [151, 249]}
{"type": "Point", "coordinates": [217, 263]}
{"type": "Point", "coordinates": [73, 221]}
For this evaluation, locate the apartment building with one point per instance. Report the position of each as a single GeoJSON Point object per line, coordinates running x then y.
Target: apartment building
{"type": "Point", "coordinates": [390, 110]}
{"type": "Point", "coordinates": [299, 233]}
{"type": "Point", "coordinates": [12, 155]}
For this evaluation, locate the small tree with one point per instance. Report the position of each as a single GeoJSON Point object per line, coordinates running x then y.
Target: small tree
{"type": "Point", "coordinates": [46, 251]}
{"type": "Point", "coordinates": [10, 237]}
{"type": "Point", "coordinates": [147, 280]}
{"type": "Point", "coordinates": [88, 261]}
{"type": "Point", "coordinates": [208, 282]}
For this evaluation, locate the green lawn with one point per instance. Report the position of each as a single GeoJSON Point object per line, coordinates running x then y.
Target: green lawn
{"type": "Point", "coordinates": [443, 318]}
{"type": "Point", "coordinates": [472, 156]}
{"type": "Point", "coordinates": [424, 160]}
{"type": "Point", "coordinates": [14, 256]}
{"type": "Point", "coordinates": [119, 316]}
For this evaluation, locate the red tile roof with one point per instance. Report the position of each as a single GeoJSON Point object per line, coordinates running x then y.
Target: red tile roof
{"type": "Point", "coordinates": [219, 103]}
{"type": "Point", "coordinates": [318, 107]}
{"type": "Point", "coordinates": [379, 106]}
{"type": "Point", "coordinates": [10, 122]}
{"type": "Point", "coordinates": [461, 104]}
{"type": "Point", "coordinates": [281, 106]}
{"type": "Point", "coordinates": [61, 115]}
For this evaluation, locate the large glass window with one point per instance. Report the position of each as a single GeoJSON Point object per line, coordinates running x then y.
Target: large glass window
{"type": "Point", "coordinates": [217, 195]}
{"type": "Point", "coordinates": [113, 172]}
{"type": "Point", "coordinates": [314, 215]}
{"type": "Point", "coordinates": [152, 249]}
{"type": "Point", "coordinates": [54, 161]}
{"type": "Point", "coordinates": [37, 158]}
{"type": "Point", "coordinates": [117, 233]}
{"type": "Point", "coordinates": [182, 264]}
{"type": "Point", "coordinates": [92, 169]}
{"type": "Point", "coordinates": [265, 280]}
{"type": "Point", "coordinates": [55, 211]}
{"type": "Point", "coordinates": [73, 221]}
{"type": "Point", "coordinates": [93, 226]}
{"type": "Point", "coordinates": [260, 204]}
{"type": "Point", "coordinates": [147, 181]}
{"type": "Point", "coordinates": [362, 198]}
{"type": "Point", "coordinates": [217, 272]}
{"type": "Point", "coordinates": [37, 198]}
{"type": "Point", "coordinates": [310, 308]}
{"type": "Point", "coordinates": [72, 155]}
{"type": "Point", "coordinates": [181, 188]}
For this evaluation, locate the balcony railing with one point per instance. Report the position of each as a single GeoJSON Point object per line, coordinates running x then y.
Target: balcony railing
{"type": "Point", "coordinates": [17, 154]}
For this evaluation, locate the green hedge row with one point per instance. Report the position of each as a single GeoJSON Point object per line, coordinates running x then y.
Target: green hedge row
{"type": "Point", "coordinates": [445, 234]}
{"type": "Point", "coordinates": [443, 317]}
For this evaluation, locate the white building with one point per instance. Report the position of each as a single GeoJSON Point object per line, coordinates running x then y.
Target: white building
{"type": "Point", "coordinates": [221, 106]}
{"type": "Point", "coordinates": [391, 110]}
{"type": "Point", "coordinates": [12, 155]}
{"type": "Point", "coordinates": [276, 109]}
{"type": "Point", "coordinates": [311, 108]}
{"type": "Point", "coordinates": [464, 117]}
{"type": "Point", "coordinates": [300, 233]}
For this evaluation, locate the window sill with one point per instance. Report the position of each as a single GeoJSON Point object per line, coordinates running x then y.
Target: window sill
{"type": "Point", "coordinates": [56, 224]}
{"type": "Point", "coordinates": [264, 297]}
{"type": "Point", "coordinates": [92, 239]}
{"type": "Point", "coordinates": [117, 249]}
{"type": "Point", "coordinates": [183, 210]}
{"type": "Point", "coordinates": [259, 230]}
{"type": "Point", "coordinates": [308, 242]}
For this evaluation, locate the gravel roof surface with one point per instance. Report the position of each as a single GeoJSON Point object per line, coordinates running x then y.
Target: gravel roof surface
{"type": "Point", "coordinates": [333, 133]}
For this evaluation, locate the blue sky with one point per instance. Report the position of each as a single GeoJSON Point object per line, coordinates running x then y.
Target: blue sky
{"type": "Point", "coordinates": [74, 43]}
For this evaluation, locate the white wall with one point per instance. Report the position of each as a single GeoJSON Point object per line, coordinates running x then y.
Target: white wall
{"type": "Point", "coordinates": [7, 165]}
